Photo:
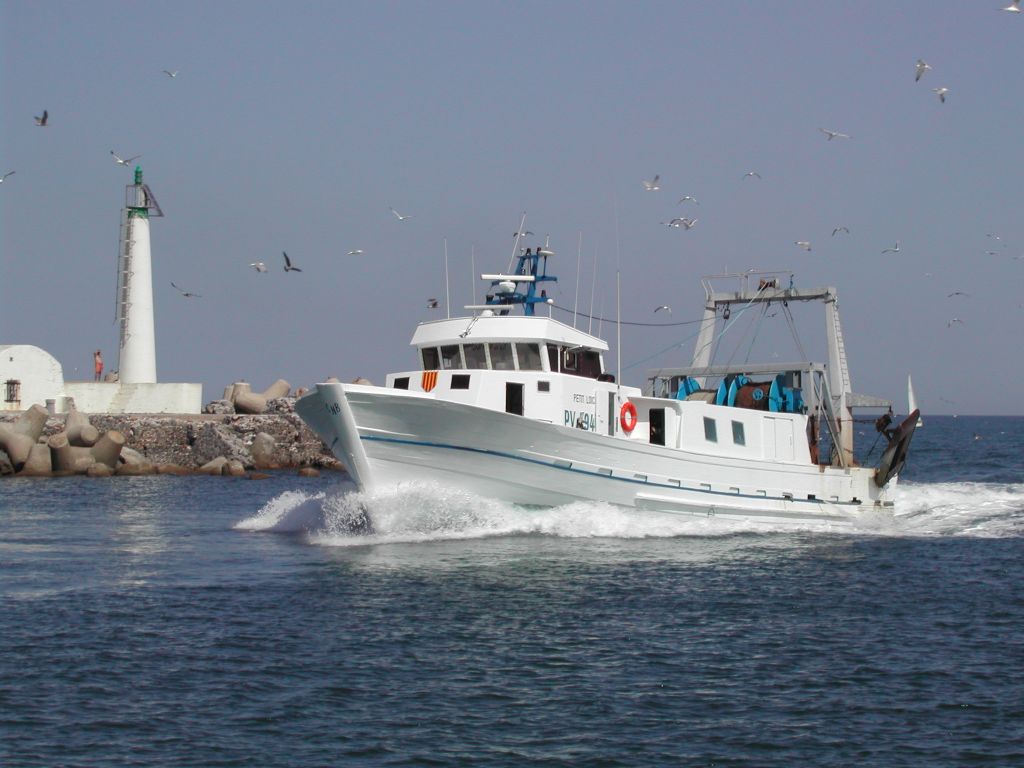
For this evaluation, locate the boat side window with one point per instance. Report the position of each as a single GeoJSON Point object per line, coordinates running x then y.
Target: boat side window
{"type": "Point", "coordinates": [553, 358]}
{"type": "Point", "coordinates": [501, 357]}
{"type": "Point", "coordinates": [431, 361]}
{"type": "Point", "coordinates": [476, 355]}
{"type": "Point", "coordinates": [571, 361]}
{"type": "Point", "coordinates": [737, 433]}
{"type": "Point", "coordinates": [402, 382]}
{"type": "Point", "coordinates": [543, 386]}
{"type": "Point", "coordinates": [710, 430]}
{"type": "Point", "coordinates": [590, 363]}
{"type": "Point", "coordinates": [450, 357]}
{"type": "Point", "coordinates": [460, 381]}
{"type": "Point", "coordinates": [529, 357]}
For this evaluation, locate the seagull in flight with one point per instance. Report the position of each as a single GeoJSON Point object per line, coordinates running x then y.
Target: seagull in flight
{"type": "Point", "coordinates": [805, 244]}
{"type": "Point", "coordinates": [171, 74]}
{"type": "Point", "coordinates": [954, 320]}
{"type": "Point", "coordinates": [288, 264]}
{"type": "Point", "coordinates": [941, 93]}
{"type": "Point", "coordinates": [527, 233]}
{"type": "Point", "coordinates": [837, 230]}
{"type": "Point", "coordinates": [894, 249]}
{"type": "Point", "coordinates": [748, 174]}
{"type": "Point", "coordinates": [259, 266]}
{"type": "Point", "coordinates": [833, 134]}
{"type": "Point", "coordinates": [356, 252]}
{"type": "Point", "coordinates": [399, 216]}
{"type": "Point", "coordinates": [186, 294]}
{"type": "Point", "coordinates": [673, 223]}
{"type": "Point", "coordinates": [41, 121]}
{"type": "Point", "coordinates": [691, 198]}
{"type": "Point", "coordinates": [431, 303]}
{"type": "Point", "coordinates": [653, 185]}
{"type": "Point", "coordinates": [1013, 7]}
{"type": "Point", "coordinates": [922, 67]}
{"type": "Point", "coordinates": [689, 223]}
{"type": "Point", "coordinates": [958, 293]}
{"type": "Point", "coordinates": [9, 173]}
{"type": "Point", "coordinates": [126, 161]}
{"type": "Point", "coordinates": [666, 307]}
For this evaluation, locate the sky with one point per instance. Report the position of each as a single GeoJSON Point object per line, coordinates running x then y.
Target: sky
{"type": "Point", "coordinates": [297, 127]}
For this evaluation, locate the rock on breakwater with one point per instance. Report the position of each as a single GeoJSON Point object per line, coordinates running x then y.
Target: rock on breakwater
{"type": "Point", "coordinates": [273, 440]}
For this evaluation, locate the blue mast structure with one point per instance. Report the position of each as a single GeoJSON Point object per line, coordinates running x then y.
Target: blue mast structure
{"type": "Point", "coordinates": [528, 265]}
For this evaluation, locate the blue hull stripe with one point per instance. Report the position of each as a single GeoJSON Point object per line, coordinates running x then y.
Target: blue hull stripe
{"type": "Point", "coordinates": [648, 483]}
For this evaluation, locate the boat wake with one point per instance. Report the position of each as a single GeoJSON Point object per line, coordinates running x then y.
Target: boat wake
{"type": "Point", "coordinates": [344, 517]}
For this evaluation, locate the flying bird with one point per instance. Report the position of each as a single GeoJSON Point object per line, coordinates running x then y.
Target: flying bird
{"type": "Point", "coordinates": [653, 185]}
{"type": "Point", "coordinates": [9, 173]}
{"type": "Point", "coordinates": [259, 266]}
{"type": "Point", "coordinates": [355, 252]}
{"type": "Point", "coordinates": [689, 223]}
{"type": "Point", "coordinates": [805, 244]}
{"type": "Point", "coordinates": [41, 121]}
{"type": "Point", "coordinates": [751, 173]}
{"type": "Point", "coordinates": [1013, 7]}
{"type": "Point", "coordinates": [954, 320]}
{"type": "Point", "coordinates": [522, 234]}
{"type": "Point", "coordinates": [894, 249]}
{"type": "Point", "coordinates": [666, 307]}
{"type": "Point", "coordinates": [691, 198]}
{"type": "Point", "coordinates": [673, 223]}
{"type": "Point", "coordinates": [922, 67]}
{"type": "Point", "coordinates": [958, 293]}
{"type": "Point", "coordinates": [431, 303]}
{"type": "Point", "coordinates": [837, 230]}
{"type": "Point", "coordinates": [941, 93]}
{"type": "Point", "coordinates": [995, 237]}
{"type": "Point", "coordinates": [170, 74]}
{"type": "Point", "coordinates": [288, 264]}
{"type": "Point", "coordinates": [186, 294]}
{"type": "Point", "coordinates": [833, 134]}
{"type": "Point", "coordinates": [125, 161]}
{"type": "Point", "coordinates": [399, 216]}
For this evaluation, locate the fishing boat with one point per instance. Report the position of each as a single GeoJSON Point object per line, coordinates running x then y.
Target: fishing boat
{"type": "Point", "coordinates": [912, 400]}
{"type": "Point", "coordinates": [513, 404]}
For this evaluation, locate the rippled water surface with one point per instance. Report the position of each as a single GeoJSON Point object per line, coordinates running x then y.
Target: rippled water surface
{"type": "Point", "coordinates": [221, 622]}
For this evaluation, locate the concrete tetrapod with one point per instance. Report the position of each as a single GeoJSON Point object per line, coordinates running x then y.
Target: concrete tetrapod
{"type": "Point", "coordinates": [251, 402]}
{"type": "Point", "coordinates": [80, 432]}
{"type": "Point", "coordinates": [72, 458]}
{"type": "Point", "coordinates": [17, 439]}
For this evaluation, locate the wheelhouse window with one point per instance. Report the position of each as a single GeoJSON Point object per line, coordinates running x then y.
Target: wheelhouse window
{"type": "Point", "coordinates": [737, 433]}
{"type": "Point", "coordinates": [501, 357]}
{"type": "Point", "coordinates": [476, 355]}
{"type": "Point", "coordinates": [451, 357]}
{"type": "Point", "coordinates": [710, 430]}
{"type": "Point", "coordinates": [529, 357]}
{"type": "Point", "coordinates": [575, 360]}
{"type": "Point", "coordinates": [431, 360]}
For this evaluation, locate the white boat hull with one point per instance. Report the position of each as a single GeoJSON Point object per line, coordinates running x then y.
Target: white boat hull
{"type": "Point", "coordinates": [388, 437]}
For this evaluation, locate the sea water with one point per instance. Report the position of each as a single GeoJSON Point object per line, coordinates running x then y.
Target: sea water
{"type": "Point", "coordinates": [290, 621]}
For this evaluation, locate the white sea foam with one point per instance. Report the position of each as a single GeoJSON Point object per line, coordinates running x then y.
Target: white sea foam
{"type": "Point", "coordinates": [344, 517]}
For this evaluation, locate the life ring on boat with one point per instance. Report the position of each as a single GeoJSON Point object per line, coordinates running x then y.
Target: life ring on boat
{"type": "Point", "coordinates": [628, 417]}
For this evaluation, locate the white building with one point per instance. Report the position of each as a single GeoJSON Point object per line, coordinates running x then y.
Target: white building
{"type": "Point", "coordinates": [32, 376]}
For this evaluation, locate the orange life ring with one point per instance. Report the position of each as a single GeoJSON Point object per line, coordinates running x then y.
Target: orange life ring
{"type": "Point", "coordinates": [627, 417]}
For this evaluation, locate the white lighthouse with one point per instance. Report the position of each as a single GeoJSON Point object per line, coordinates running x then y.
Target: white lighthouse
{"type": "Point", "coordinates": [137, 352]}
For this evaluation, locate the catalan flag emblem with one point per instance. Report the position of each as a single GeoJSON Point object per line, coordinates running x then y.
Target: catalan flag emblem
{"type": "Point", "coordinates": [429, 380]}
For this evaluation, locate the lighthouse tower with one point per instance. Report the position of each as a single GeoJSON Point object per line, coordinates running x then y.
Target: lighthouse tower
{"type": "Point", "coordinates": [137, 352]}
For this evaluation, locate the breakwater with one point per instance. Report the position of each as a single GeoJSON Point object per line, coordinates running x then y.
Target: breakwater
{"type": "Point", "coordinates": [212, 443]}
